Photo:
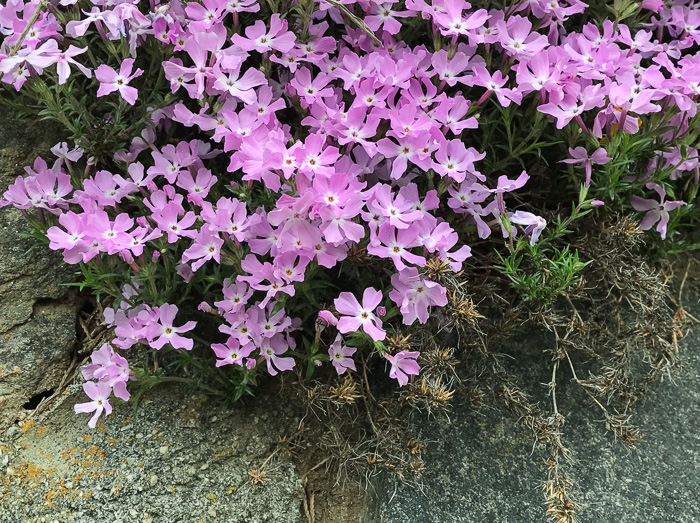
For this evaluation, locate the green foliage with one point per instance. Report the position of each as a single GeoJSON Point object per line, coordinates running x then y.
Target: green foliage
{"type": "Point", "coordinates": [540, 274]}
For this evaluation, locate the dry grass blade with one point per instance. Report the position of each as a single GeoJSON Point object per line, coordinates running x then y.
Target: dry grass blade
{"type": "Point", "coordinates": [357, 21]}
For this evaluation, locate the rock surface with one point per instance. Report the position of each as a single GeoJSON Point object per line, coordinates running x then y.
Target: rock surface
{"type": "Point", "coordinates": [37, 326]}
{"type": "Point", "coordinates": [176, 459]}
{"type": "Point", "coordinates": [480, 466]}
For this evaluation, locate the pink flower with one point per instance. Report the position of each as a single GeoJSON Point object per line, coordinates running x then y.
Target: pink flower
{"type": "Point", "coordinates": [494, 84]}
{"type": "Point", "coordinates": [451, 21]}
{"type": "Point", "coordinates": [271, 350]}
{"type": "Point", "coordinates": [109, 368]}
{"type": "Point", "coordinates": [231, 352]}
{"type": "Point", "coordinates": [311, 89]}
{"type": "Point", "coordinates": [394, 208]}
{"type": "Point", "coordinates": [340, 356]}
{"type": "Point", "coordinates": [656, 211]}
{"type": "Point", "coordinates": [63, 154]}
{"type": "Point", "coordinates": [72, 240]}
{"type": "Point", "coordinates": [240, 86]}
{"type": "Point", "coordinates": [455, 160]}
{"type": "Point", "coordinates": [169, 221]}
{"type": "Point", "coordinates": [414, 293]}
{"type": "Point", "coordinates": [571, 107]}
{"type": "Point", "coordinates": [111, 81]}
{"type": "Point", "coordinates": [383, 15]}
{"type": "Point", "coordinates": [160, 329]}
{"type": "Point", "coordinates": [206, 246]}
{"type": "Point", "coordinates": [580, 156]}
{"type": "Point", "coordinates": [505, 185]}
{"type": "Point", "coordinates": [328, 317]}
{"type": "Point", "coordinates": [402, 364]}
{"type": "Point", "coordinates": [394, 243]}
{"type": "Point", "coordinates": [197, 188]}
{"type": "Point", "coordinates": [654, 5]}
{"type": "Point", "coordinates": [408, 148]}
{"type": "Point", "coordinates": [99, 394]}
{"type": "Point", "coordinates": [534, 224]}
{"type": "Point", "coordinates": [236, 296]}
{"type": "Point", "coordinates": [204, 16]}
{"type": "Point", "coordinates": [262, 40]}
{"type": "Point", "coordinates": [356, 315]}
{"type": "Point", "coordinates": [229, 217]}
{"type": "Point", "coordinates": [517, 40]}
{"type": "Point", "coordinates": [66, 57]}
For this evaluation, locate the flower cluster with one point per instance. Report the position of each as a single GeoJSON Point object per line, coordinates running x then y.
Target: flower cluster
{"type": "Point", "coordinates": [315, 140]}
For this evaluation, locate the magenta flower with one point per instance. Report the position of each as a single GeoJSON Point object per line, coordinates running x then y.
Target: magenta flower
{"type": "Point", "coordinates": [402, 364]}
{"type": "Point", "coordinates": [99, 394]}
{"type": "Point", "coordinates": [340, 356]}
{"type": "Point", "coordinates": [654, 5]}
{"type": "Point", "coordinates": [111, 81]}
{"type": "Point", "coordinates": [656, 211]}
{"type": "Point", "coordinates": [356, 315]}
{"type": "Point", "coordinates": [451, 21]}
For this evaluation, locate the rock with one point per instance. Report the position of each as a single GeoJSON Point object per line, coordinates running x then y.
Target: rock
{"type": "Point", "coordinates": [37, 323]}
{"type": "Point", "coordinates": [201, 481]}
{"type": "Point", "coordinates": [480, 465]}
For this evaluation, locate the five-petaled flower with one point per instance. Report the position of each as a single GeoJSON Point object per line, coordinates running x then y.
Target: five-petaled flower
{"type": "Point", "coordinates": [341, 355]}
{"type": "Point", "coordinates": [402, 364]}
{"type": "Point", "coordinates": [356, 315]}
{"type": "Point", "coordinates": [111, 81]}
{"type": "Point", "coordinates": [656, 211]}
{"type": "Point", "coordinates": [99, 394]}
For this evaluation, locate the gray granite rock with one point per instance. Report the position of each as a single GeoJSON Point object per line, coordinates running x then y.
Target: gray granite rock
{"type": "Point", "coordinates": [480, 465]}
{"type": "Point", "coordinates": [37, 323]}
{"type": "Point", "coordinates": [177, 459]}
